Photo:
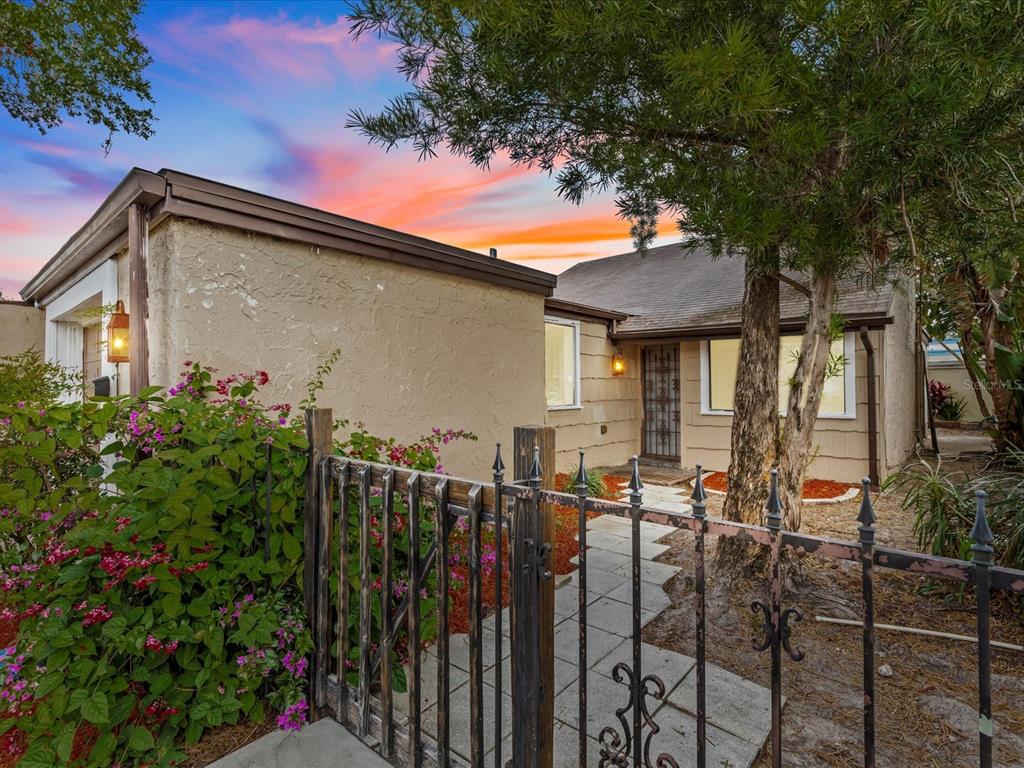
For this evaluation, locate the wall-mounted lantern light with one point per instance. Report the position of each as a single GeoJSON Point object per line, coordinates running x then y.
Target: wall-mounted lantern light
{"type": "Point", "coordinates": [618, 364]}
{"type": "Point", "coordinates": [117, 335]}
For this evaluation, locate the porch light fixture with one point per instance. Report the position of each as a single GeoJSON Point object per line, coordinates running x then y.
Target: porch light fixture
{"type": "Point", "coordinates": [618, 364]}
{"type": "Point", "coordinates": [117, 335]}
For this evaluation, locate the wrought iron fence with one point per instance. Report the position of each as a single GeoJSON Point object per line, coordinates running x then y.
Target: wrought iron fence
{"type": "Point", "coordinates": [362, 698]}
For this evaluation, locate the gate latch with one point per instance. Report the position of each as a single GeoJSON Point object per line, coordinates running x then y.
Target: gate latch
{"type": "Point", "coordinates": [538, 558]}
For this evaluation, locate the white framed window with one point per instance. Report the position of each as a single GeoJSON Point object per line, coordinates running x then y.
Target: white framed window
{"type": "Point", "coordinates": [718, 363]}
{"type": "Point", "coordinates": [561, 363]}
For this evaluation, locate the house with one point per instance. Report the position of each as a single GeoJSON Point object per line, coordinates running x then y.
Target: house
{"type": "Point", "coordinates": [627, 355]}
{"type": "Point", "coordinates": [642, 352]}
{"type": "Point", "coordinates": [22, 328]}
{"type": "Point", "coordinates": [430, 335]}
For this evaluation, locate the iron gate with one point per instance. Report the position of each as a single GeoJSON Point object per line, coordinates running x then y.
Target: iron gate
{"type": "Point", "coordinates": [355, 516]}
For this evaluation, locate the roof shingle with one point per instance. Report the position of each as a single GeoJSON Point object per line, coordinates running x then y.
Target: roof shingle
{"type": "Point", "coordinates": [679, 288]}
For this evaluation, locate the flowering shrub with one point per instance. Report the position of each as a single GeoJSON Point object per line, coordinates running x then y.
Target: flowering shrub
{"type": "Point", "coordinates": [132, 543]}
{"type": "Point", "coordinates": [132, 555]}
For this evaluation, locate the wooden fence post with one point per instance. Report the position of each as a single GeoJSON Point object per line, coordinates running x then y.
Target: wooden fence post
{"type": "Point", "coordinates": [542, 530]}
{"type": "Point", "coordinates": [319, 434]}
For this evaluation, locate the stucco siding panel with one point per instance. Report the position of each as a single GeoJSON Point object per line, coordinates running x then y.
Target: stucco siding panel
{"type": "Point", "coordinates": [22, 328]}
{"type": "Point", "coordinates": [418, 349]}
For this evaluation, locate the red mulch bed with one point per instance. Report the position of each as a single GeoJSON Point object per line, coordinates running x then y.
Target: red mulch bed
{"type": "Point", "coordinates": [566, 547]}
{"type": "Point", "coordinates": [813, 489]}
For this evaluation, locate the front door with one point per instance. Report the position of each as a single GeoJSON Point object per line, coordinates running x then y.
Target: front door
{"type": "Point", "coordinates": [661, 435]}
{"type": "Point", "coordinates": [92, 357]}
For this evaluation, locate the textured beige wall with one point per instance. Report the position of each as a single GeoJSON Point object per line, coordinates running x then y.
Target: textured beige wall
{"type": "Point", "coordinates": [897, 419]}
{"type": "Point", "coordinates": [960, 385]}
{"type": "Point", "coordinates": [419, 349]}
{"type": "Point", "coordinates": [21, 328]}
{"type": "Point", "coordinates": [611, 403]}
{"type": "Point", "coordinates": [840, 445]}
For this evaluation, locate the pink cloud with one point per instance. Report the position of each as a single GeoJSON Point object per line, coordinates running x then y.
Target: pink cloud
{"type": "Point", "coordinates": [511, 207]}
{"type": "Point", "coordinates": [310, 52]}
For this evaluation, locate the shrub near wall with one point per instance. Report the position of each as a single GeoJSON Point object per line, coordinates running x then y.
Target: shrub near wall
{"type": "Point", "coordinates": [132, 557]}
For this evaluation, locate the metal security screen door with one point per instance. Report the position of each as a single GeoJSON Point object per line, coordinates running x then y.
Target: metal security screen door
{"type": "Point", "coordinates": [661, 401]}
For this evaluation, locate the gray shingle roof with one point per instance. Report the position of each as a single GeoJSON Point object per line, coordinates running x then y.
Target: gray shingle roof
{"type": "Point", "coordinates": [681, 289]}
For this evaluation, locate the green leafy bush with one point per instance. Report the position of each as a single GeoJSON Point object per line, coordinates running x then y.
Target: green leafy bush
{"type": "Point", "coordinates": [133, 559]}
{"type": "Point", "coordinates": [943, 505]}
{"type": "Point", "coordinates": [595, 484]}
{"type": "Point", "coordinates": [28, 378]}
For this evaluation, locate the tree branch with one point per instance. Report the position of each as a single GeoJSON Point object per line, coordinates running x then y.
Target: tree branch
{"type": "Point", "coordinates": [797, 286]}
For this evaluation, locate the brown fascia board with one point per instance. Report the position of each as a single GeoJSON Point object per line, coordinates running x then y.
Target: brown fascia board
{"type": "Point", "coordinates": [172, 193]}
{"type": "Point", "coordinates": [727, 330]}
{"type": "Point", "coordinates": [556, 306]}
{"type": "Point", "coordinates": [195, 197]}
{"type": "Point", "coordinates": [106, 225]}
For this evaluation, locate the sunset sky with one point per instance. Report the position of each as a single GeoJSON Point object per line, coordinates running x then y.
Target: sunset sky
{"type": "Point", "coordinates": [256, 94]}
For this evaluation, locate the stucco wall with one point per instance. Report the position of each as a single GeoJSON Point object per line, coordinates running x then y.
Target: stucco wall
{"type": "Point", "coordinates": [419, 349]}
{"type": "Point", "coordinates": [898, 417]}
{"type": "Point", "coordinates": [960, 386]}
{"type": "Point", "coordinates": [22, 327]}
{"type": "Point", "coordinates": [607, 426]}
{"type": "Point", "coordinates": [840, 445]}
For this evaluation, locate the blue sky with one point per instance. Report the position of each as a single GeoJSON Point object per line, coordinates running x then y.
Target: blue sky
{"type": "Point", "coordinates": [256, 94]}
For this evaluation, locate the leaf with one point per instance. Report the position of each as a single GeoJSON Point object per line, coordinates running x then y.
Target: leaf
{"type": "Point", "coordinates": [65, 741]}
{"type": "Point", "coordinates": [49, 682]}
{"type": "Point", "coordinates": [115, 627]}
{"type": "Point", "coordinates": [141, 739]}
{"type": "Point", "coordinates": [292, 548]}
{"type": "Point", "coordinates": [78, 696]}
{"type": "Point", "coordinates": [172, 605]}
{"type": "Point", "coordinates": [160, 683]}
{"type": "Point", "coordinates": [95, 709]}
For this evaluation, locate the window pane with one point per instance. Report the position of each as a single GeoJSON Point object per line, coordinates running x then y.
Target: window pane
{"type": "Point", "coordinates": [833, 394]}
{"type": "Point", "coordinates": [560, 364]}
{"type": "Point", "coordinates": [723, 359]}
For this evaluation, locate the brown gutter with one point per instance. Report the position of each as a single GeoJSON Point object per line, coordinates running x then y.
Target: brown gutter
{"type": "Point", "coordinates": [873, 474]}
{"type": "Point", "coordinates": [555, 306]}
{"type": "Point", "coordinates": [732, 330]}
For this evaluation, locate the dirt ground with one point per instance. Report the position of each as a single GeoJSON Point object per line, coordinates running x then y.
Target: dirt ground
{"type": "Point", "coordinates": [927, 708]}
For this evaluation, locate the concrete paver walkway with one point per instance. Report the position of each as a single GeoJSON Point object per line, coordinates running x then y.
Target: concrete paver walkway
{"type": "Point", "coordinates": [738, 719]}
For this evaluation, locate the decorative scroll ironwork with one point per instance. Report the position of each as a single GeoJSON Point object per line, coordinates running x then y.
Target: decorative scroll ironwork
{"type": "Point", "coordinates": [785, 630]}
{"type": "Point", "coordinates": [615, 747]}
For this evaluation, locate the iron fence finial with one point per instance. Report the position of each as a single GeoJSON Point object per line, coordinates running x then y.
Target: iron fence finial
{"type": "Point", "coordinates": [499, 465]}
{"type": "Point", "coordinates": [980, 532]}
{"type": "Point", "coordinates": [581, 478]}
{"type": "Point", "coordinates": [774, 503]}
{"type": "Point", "coordinates": [535, 476]}
{"type": "Point", "coordinates": [699, 494]}
{"type": "Point", "coordinates": [866, 517]}
{"type": "Point", "coordinates": [634, 481]}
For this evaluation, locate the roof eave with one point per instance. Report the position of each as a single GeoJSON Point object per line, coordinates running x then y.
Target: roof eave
{"type": "Point", "coordinates": [551, 304]}
{"type": "Point", "coordinates": [697, 332]}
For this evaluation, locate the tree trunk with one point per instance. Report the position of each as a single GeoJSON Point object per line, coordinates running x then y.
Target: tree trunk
{"type": "Point", "coordinates": [805, 397]}
{"type": "Point", "coordinates": [755, 420]}
{"type": "Point", "coordinates": [967, 353]}
{"type": "Point", "coordinates": [1004, 397]}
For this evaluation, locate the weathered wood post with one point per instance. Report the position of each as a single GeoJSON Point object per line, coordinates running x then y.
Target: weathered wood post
{"type": "Point", "coordinates": [533, 620]}
{"type": "Point", "coordinates": [319, 422]}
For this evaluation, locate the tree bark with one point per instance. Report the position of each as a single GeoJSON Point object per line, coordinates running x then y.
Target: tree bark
{"type": "Point", "coordinates": [967, 353]}
{"type": "Point", "coordinates": [805, 398]}
{"type": "Point", "coordinates": [755, 420]}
